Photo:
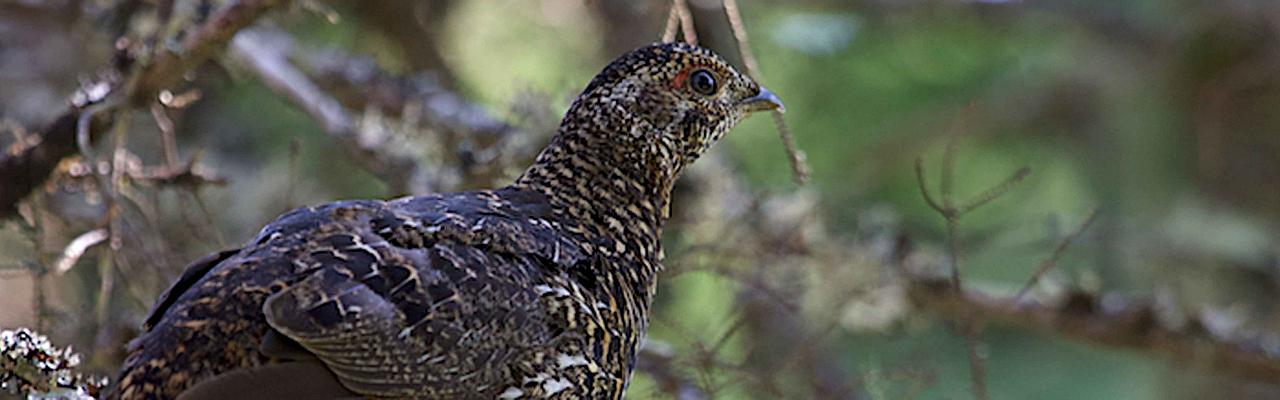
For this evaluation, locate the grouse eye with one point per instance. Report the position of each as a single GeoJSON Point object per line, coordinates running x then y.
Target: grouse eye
{"type": "Point", "coordinates": [703, 82]}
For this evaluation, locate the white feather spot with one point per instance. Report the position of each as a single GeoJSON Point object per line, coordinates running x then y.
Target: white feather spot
{"type": "Point", "coordinates": [511, 393]}
{"type": "Point", "coordinates": [555, 386]}
{"type": "Point", "coordinates": [536, 378]}
{"type": "Point", "coordinates": [566, 361]}
{"type": "Point", "coordinates": [361, 246]}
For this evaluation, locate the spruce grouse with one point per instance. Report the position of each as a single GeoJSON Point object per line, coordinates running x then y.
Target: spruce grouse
{"type": "Point", "coordinates": [540, 289]}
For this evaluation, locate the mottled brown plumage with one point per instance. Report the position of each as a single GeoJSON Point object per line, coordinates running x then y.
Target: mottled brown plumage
{"type": "Point", "coordinates": [540, 289]}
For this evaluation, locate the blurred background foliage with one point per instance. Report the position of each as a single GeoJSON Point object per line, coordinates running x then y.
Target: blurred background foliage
{"type": "Point", "coordinates": [1161, 114]}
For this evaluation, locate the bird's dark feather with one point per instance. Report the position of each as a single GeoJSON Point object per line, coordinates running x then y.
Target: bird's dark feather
{"type": "Point", "coordinates": [392, 296]}
{"type": "Point", "coordinates": [190, 276]}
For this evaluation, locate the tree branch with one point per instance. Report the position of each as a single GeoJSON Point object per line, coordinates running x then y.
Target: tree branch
{"type": "Point", "coordinates": [24, 167]}
{"type": "Point", "coordinates": [266, 56]}
{"type": "Point", "coordinates": [1088, 318]}
{"type": "Point", "coordinates": [167, 67]}
{"type": "Point", "coordinates": [329, 84]}
{"type": "Point", "coordinates": [358, 83]}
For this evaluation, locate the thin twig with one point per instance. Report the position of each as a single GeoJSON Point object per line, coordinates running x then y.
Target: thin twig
{"type": "Point", "coordinates": [686, 21]}
{"type": "Point", "coordinates": [953, 247]}
{"type": "Point", "coordinates": [994, 192]}
{"type": "Point", "coordinates": [264, 54]}
{"type": "Point", "coordinates": [673, 25]}
{"type": "Point", "coordinates": [35, 229]}
{"type": "Point", "coordinates": [949, 171]}
{"type": "Point", "coordinates": [924, 189]}
{"type": "Point", "coordinates": [728, 333]}
{"type": "Point", "coordinates": [977, 367]}
{"type": "Point", "coordinates": [102, 305]}
{"type": "Point", "coordinates": [1051, 261]}
{"type": "Point", "coordinates": [740, 35]}
{"type": "Point", "coordinates": [84, 129]}
{"type": "Point", "coordinates": [168, 138]}
{"type": "Point", "coordinates": [800, 171]}
{"type": "Point", "coordinates": [949, 211]}
{"type": "Point", "coordinates": [115, 232]}
{"type": "Point", "coordinates": [76, 248]}
{"type": "Point", "coordinates": [954, 132]}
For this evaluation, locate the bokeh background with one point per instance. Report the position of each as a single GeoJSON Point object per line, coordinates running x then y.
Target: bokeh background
{"type": "Point", "coordinates": [1160, 115]}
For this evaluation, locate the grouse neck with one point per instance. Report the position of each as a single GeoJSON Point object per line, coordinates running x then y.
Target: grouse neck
{"type": "Point", "coordinates": [611, 185]}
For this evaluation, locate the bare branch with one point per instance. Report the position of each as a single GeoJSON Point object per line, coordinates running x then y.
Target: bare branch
{"type": "Point", "coordinates": [1048, 263]}
{"type": "Point", "coordinates": [673, 25]}
{"type": "Point", "coordinates": [690, 32]}
{"type": "Point", "coordinates": [328, 83]}
{"type": "Point", "coordinates": [949, 171]}
{"type": "Point", "coordinates": [266, 55]}
{"type": "Point", "coordinates": [28, 167]}
{"type": "Point", "coordinates": [1119, 323]}
{"type": "Point", "coordinates": [994, 192]}
{"type": "Point", "coordinates": [968, 326]}
{"type": "Point", "coordinates": [924, 189]}
{"type": "Point", "coordinates": [168, 139]}
{"type": "Point", "coordinates": [800, 170]}
{"type": "Point", "coordinates": [76, 248]}
{"type": "Point", "coordinates": [740, 35]}
{"type": "Point", "coordinates": [191, 174]}
{"type": "Point", "coordinates": [358, 83]}
{"type": "Point", "coordinates": [977, 368]}
{"type": "Point", "coordinates": [167, 67]}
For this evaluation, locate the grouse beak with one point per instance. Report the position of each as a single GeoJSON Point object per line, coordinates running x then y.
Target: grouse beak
{"type": "Point", "coordinates": [763, 101]}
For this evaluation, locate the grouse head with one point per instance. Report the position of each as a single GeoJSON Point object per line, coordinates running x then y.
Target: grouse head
{"type": "Point", "coordinates": [647, 116]}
